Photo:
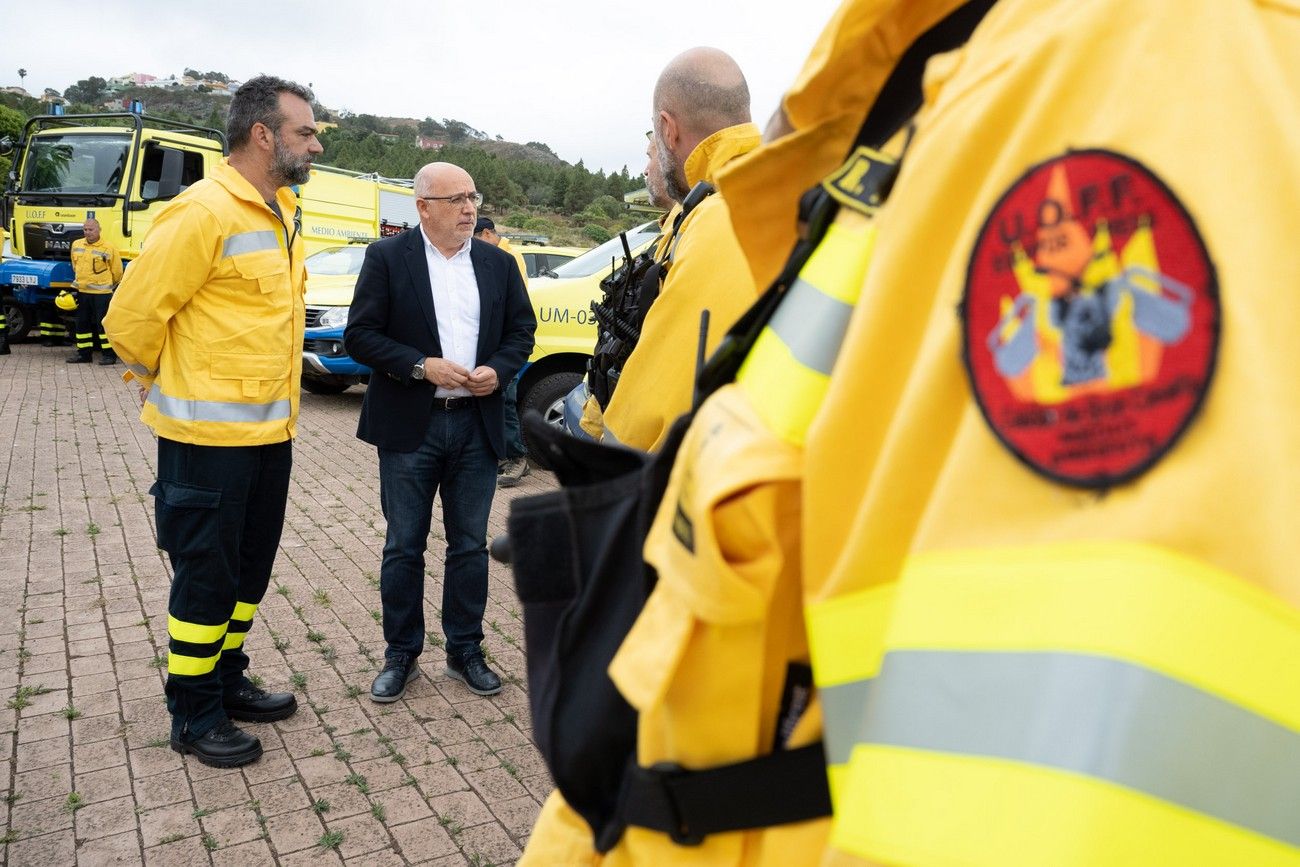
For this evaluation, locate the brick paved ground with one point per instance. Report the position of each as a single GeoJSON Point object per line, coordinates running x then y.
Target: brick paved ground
{"type": "Point", "coordinates": [443, 777]}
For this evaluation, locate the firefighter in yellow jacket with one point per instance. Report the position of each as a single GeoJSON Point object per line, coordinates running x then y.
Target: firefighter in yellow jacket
{"type": "Point", "coordinates": [701, 123]}
{"type": "Point", "coordinates": [1050, 485]}
{"type": "Point", "coordinates": [209, 320]}
{"type": "Point", "coordinates": [97, 269]}
{"type": "Point", "coordinates": [716, 669]}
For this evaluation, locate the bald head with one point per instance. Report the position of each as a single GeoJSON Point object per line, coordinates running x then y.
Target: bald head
{"type": "Point", "coordinates": [699, 92]}
{"type": "Point", "coordinates": [90, 229]}
{"type": "Point", "coordinates": [705, 90]}
{"type": "Point", "coordinates": [437, 175]}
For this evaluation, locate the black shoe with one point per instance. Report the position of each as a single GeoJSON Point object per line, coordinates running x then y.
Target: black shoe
{"type": "Point", "coordinates": [4, 349]}
{"type": "Point", "coordinates": [473, 671]}
{"type": "Point", "coordinates": [254, 704]}
{"type": "Point", "coordinates": [224, 746]}
{"type": "Point", "coordinates": [391, 683]}
{"type": "Point", "coordinates": [106, 360]}
{"type": "Point", "coordinates": [77, 358]}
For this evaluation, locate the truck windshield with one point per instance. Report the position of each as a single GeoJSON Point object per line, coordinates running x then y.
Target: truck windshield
{"type": "Point", "coordinates": [599, 258]}
{"type": "Point", "coordinates": [76, 164]}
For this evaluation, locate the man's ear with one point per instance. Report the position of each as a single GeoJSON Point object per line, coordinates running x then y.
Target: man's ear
{"type": "Point", "coordinates": [669, 131]}
{"type": "Point", "coordinates": [262, 136]}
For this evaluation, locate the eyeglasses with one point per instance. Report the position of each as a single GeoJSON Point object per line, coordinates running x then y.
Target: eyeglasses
{"type": "Point", "coordinates": [457, 200]}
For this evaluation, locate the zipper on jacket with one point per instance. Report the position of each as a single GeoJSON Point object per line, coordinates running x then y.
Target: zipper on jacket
{"type": "Point", "coordinates": [288, 239]}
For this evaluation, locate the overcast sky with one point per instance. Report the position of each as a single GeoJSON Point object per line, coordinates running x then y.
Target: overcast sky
{"type": "Point", "coordinates": [577, 75]}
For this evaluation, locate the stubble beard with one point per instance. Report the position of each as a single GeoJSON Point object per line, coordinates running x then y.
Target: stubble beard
{"type": "Point", "coordinates": [286, 169]}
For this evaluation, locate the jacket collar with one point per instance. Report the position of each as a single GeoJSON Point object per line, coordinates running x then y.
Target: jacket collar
{"type": "Point", "coordinates": [239, 187]}
{"type": "Point", "coordinates": [719, 149]}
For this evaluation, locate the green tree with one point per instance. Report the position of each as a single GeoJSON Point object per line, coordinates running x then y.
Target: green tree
{"type": "Point", "coordinates": [90, 91]}
{"type": "Point", "coordinates": [581, 190]}
{"type": "Point", "coordinates": [11, 127]}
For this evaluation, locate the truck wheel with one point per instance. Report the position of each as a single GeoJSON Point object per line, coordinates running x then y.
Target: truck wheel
{"type": "Point", "coordinates": [19, 323]}
{"type": "Point", "coordinates": [322, 385]}
{"type": "Point", "coordinates": [547, 397]}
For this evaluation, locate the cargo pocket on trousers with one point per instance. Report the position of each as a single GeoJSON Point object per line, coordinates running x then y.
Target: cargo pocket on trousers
{"type": "Point", "coordinates": [187, 518]}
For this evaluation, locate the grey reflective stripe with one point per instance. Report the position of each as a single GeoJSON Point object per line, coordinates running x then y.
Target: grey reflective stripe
{"type": "Point", "coordinates": [99, 285]}
{"type": "Point", "coordinates": [216, 410]}
{"type": "Point", "coordinates": [1104, 718]}
{"type": "Point", "coordinates": [812, 324]}
{"type": "Point", "coordinates": [250, 242]}
{"type": "Point", "coordinates": [141, 370]}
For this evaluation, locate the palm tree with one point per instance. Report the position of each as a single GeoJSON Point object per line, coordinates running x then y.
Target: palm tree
{"type": "Point", "coordinates": [22, 75]}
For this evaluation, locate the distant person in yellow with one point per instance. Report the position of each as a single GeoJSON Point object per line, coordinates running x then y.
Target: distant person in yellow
{"type": "Point", "coordinates": [209, 321]}
{"type": "Point", "coordinates": [515, 465]}
{"type": "Point", "coordinates": [701, 122]}
{"type": "Point", "coordinates": [97, 269]}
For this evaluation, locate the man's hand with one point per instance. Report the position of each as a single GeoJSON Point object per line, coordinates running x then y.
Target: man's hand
{"type": "Point", "coordinates": [447, 374]}
{"type": "Point", "coordinates": [144, 394]}
{"type": "Point", "coordinates": [482, 381]}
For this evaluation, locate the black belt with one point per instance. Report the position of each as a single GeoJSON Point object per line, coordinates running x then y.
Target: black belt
{"type": "Point", "coordinates": [449, 403]}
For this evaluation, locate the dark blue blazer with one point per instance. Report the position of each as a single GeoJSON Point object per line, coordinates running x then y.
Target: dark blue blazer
{"type": "Point", "coordinates": [392, 325]}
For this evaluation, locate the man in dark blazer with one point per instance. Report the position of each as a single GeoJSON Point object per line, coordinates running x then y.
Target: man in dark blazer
{"type": "Point", "coordinates": [444, 321]}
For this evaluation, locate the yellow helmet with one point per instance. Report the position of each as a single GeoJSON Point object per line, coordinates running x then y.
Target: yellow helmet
{"type": "Point", "coordinates": [65, 300]}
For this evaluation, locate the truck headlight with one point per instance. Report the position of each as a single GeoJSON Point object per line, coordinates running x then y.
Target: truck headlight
{"type": "Point", "coordinates": [334, 317]}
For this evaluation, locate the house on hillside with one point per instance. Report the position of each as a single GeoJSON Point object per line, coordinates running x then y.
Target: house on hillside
{"type": "Point", "coordinates": [429, 143]}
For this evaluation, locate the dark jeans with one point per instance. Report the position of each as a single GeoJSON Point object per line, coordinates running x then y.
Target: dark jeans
{"type": "Point", "coordinates": [219, 512]}
{"type": "Point", "coordinates": [455, 455]}
{"type": "Point", "coordinates": [91, 310]}
{"type": "Point", "coordinates": [514, 436]}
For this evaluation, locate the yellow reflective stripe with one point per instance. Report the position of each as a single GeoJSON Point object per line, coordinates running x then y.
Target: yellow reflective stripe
{"type": "Point", "coordinates": [846, 635]}
{"type": "Point", "coordinates": [1095, 643]}
{"type": "Point", "coordinates": [233, 640]}
{"type": "Point", "coordinates": [244, 611]}
{"type": "Point", "coordinates": [1142, 603]}
{"type": "Point", "coordinates": [786, 374]}
{"type": "Point", "coordinates": [839, 264]}
{"type": "Point", "coordinates": [194, 633]}
{"type": "Point", "coordinates": [191, 665]}
{"type": "Point", "coordinates": [945, 809]}
{"type": "Point", "coordinates": [785, 394]}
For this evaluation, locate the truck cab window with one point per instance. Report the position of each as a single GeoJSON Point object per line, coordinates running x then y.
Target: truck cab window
{"type": "Point", "coordinates": [157, 162]}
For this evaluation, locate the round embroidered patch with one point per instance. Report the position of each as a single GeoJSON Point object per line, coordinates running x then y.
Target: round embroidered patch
{"type": "Point", "coordinates": [1090, 318]}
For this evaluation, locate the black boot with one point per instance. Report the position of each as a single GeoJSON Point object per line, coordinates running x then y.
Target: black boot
{"type": "Point", "coordinates": [108, 358]}
{"type": "Point", "coordinates": [224, 746]}
{"type": "Point", "coordinates": [253, 704]}
{"type": "Point", "coordinates": [78, 358]}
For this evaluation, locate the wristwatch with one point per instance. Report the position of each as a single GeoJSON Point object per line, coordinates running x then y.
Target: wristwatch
{"type": "Point", "coordinates": [417, 372]}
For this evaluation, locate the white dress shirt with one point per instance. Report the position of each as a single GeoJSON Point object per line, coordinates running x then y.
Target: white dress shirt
{"type": "Point", "coordinates": [456, 307]}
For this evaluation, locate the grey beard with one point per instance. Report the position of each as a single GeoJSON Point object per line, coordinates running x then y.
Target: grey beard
{"type": "Point", "coordinates": [286, 170]}
{"type": "Point", "coordinates": [674, 185]}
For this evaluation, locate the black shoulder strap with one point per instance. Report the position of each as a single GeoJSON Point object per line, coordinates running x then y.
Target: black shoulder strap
{"type": "Point", "coordinates": [698, 193]}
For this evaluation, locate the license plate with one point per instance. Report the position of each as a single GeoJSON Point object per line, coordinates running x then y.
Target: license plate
{"type": "Point", "coordinates": [26, 280]}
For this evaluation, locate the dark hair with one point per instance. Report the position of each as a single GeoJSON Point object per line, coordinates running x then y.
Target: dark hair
{"type": "Point", "coordinates": [258, 101]}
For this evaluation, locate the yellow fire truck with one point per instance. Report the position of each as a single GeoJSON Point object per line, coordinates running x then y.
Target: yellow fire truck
{"type": "Point", "coordinates": [122, 167]}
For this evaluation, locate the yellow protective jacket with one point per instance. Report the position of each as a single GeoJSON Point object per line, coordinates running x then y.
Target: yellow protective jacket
{"type": "Point", "coordinates": [1049, 570]}
{"type": "Point", "coordinates": [721, 639]}
{"type": "Point", "coordinates": [210, 316]}
{"type": "Point", "coordinates": [519, 259]}
{"type": "Point", "coordinates": [97, 267]}
{"type": "Point", "coordinates": [708, 272]}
